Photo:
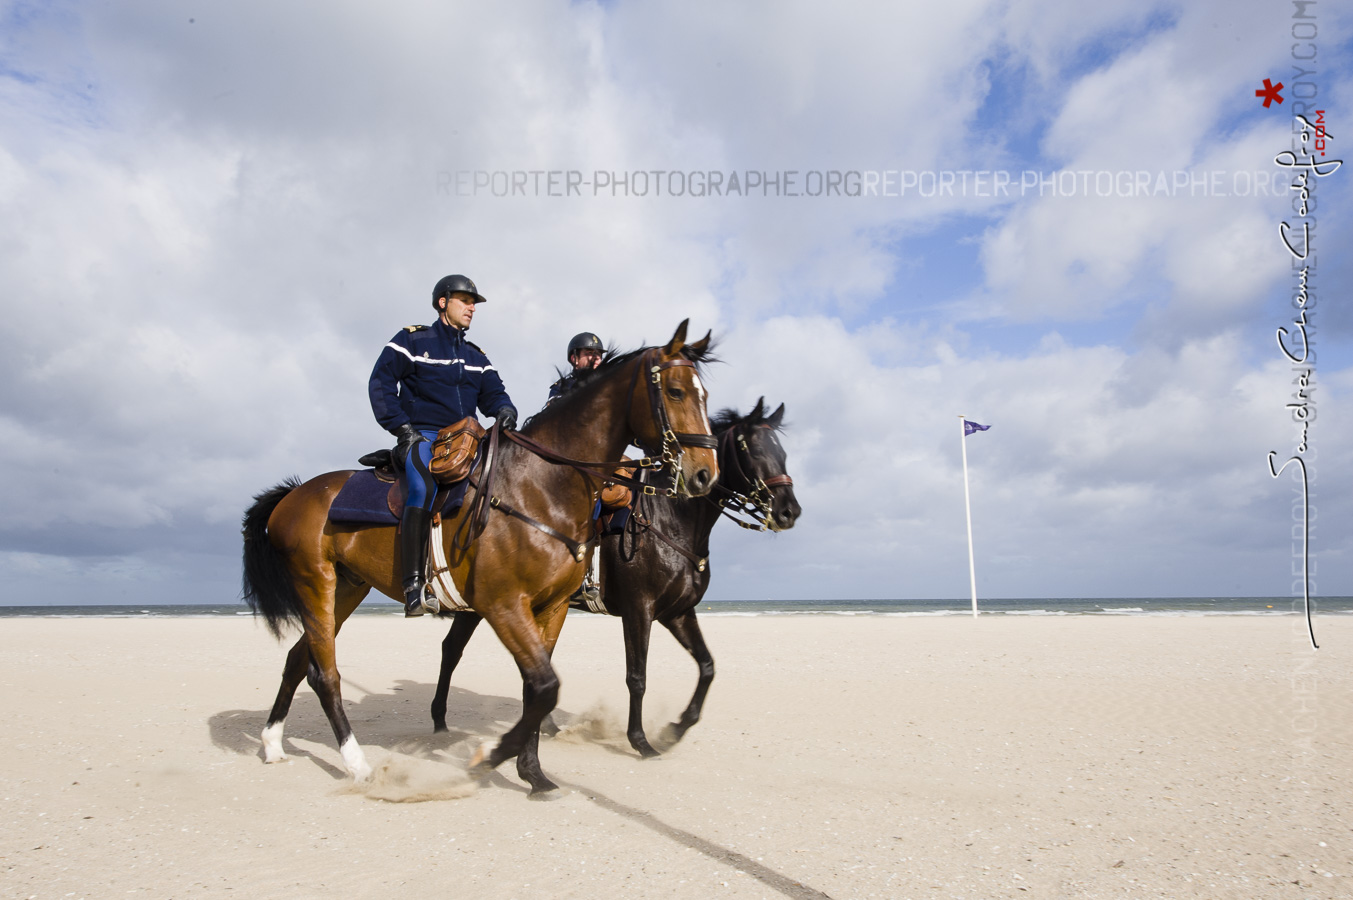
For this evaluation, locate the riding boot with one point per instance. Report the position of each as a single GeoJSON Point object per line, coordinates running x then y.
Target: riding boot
{"type": "Point", "coordinates": [413, 552]}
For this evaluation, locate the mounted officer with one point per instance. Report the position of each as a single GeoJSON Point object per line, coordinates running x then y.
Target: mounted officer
{"type": "Point", "coordinates": [584, 354]}
{"type": "Point", "coordinates": [428, 377]}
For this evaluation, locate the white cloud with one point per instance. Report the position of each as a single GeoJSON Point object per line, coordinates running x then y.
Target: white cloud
{"type": "Point", "coordinates": [204, 249]}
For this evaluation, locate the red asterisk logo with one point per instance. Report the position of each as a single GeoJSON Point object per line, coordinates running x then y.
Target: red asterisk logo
{"type": "Point", "coordinates": [1270, 92]}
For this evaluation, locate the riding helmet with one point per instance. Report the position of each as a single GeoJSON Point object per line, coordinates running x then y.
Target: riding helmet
{"type": "Point", "coordinates": [455, 284]}
{"type": "Point", "coordinates": [585, 341]}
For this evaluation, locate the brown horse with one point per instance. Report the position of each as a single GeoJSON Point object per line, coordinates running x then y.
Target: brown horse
{"type": "Point", "coordinates": [659, 569]}
{"type": "Point", "coordinates": [301, 567]}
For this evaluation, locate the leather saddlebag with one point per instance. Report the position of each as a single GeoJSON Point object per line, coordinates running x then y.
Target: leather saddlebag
{"type": "Point", "coordinates": [454, 450]}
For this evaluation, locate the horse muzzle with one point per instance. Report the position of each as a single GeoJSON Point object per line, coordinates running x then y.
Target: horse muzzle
{"type": "Point", "coordinates": [784, 513]}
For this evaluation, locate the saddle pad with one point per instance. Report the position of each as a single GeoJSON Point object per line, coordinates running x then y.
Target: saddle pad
{"type": "Point", "coordinates": [609, 523]}
{"type": "Point", "coordinates": [362, 500]}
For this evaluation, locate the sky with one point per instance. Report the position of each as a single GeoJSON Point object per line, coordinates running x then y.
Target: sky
{"type": "Point", "coordinates": [1057, 218]}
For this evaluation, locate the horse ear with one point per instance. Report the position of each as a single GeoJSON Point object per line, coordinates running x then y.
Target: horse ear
{"type": "Point", "coordinates": [776, 417]}
{"type": "Point", "coordinates": [701, 345]}
{"type": "Point", "coordinates": [678, 340]}
{"type": "Point", "coordinates": [758, 411]}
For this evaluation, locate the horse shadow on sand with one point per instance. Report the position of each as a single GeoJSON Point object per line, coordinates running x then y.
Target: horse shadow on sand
{"type": "Point", "coordinates": [399, 721]}
{"type": "Point", "coordinates": [396, 721]}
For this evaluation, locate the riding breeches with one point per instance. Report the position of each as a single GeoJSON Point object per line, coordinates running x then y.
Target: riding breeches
{"type": "Point", "coordinates": [418, 480]}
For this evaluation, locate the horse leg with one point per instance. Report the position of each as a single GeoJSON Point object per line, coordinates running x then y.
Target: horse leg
{"type": "Point", "coordinates": [298, 660]}
{"type": "Point", "coordinates": [323, 676]}
{"type": "Point", "coordinates": [520, 634]}
{"type": "Point", "coordinates": [638, 625]}
{"type": "Point", "coordinates": [686, 630]}
{"type": "Point", "coordinates": [463, 625]}
{"type": "Point", "coordinates": [528, 761]}
{"type": "Point", "coordinates": [296, 669]}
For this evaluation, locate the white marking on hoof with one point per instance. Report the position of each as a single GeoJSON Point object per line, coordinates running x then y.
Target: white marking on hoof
{"type": "Point", "coordinates": [355, 760]}
{"type": "Point", "coordinates": [272, 743]}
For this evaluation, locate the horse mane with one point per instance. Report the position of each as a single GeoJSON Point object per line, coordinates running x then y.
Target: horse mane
{"type": "Point", "coordinates": [725, 419]}
{"type": "Point", "coordinates": [612, 360]}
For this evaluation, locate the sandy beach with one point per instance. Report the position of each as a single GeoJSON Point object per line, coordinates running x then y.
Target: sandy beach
{"type": "Point", "coordinates": [1075, 756]}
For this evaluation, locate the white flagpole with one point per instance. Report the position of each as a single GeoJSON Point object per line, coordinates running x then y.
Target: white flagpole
{"type": "Point", "coordinates": [967, 505]}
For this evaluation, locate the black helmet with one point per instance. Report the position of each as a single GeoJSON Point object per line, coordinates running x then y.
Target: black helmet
{"type": "Point", "coordinates": [585, 341]}
{"type": "Point", "coordinates": [455, 284]}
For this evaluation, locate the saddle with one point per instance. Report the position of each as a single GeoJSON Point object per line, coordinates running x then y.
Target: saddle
{"type": "Point", "coordinates": [382, 465]}
{"type": "Point", "coordinates": [453, 455]}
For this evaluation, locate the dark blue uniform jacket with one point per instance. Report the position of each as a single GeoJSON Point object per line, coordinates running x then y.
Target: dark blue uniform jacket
{"type": "Point", "coordinates": [433, 377]}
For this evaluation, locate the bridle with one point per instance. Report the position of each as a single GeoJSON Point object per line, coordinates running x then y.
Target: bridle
{"type": "Point", "coordinates": [673, 443]}
{"type": "Point", "coordinates": [755, 504]}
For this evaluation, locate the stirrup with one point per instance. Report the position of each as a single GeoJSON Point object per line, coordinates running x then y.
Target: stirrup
{"type": "Point", "coordinates": [429, 601]}
{"type": "Point", "coordinates": [416, 607]}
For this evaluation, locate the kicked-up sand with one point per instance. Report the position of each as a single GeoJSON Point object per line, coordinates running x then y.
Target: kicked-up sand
{"type": "Point", "coordinates": [852, 757]}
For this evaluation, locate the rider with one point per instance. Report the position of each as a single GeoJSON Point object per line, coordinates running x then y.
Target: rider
{"type": "Point", "coordinates": [584, 354]}
{"type": "Point", "coordinates": [428, 377]}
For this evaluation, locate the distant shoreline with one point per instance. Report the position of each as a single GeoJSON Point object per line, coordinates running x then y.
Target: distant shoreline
{"type": "Point", "coordinates": [1117, 606]}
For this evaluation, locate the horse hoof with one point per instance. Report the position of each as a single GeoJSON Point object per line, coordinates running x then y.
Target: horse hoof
{"type": "Point", "coordinates": [544, 791]}
{"type": "Point", "coordinates": [272, 744]}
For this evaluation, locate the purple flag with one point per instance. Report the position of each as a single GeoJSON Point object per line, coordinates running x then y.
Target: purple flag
{"type": "Point", "coordinates": [970, 427]}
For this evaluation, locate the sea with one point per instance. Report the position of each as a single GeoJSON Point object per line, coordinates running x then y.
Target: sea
{"type": "Point", "coordinates": [1119, 606]}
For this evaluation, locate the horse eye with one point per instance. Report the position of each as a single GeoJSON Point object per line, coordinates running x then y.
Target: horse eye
{"type": "Point", "coordinates": [675, 393]}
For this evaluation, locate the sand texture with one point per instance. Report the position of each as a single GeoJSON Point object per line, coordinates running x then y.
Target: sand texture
{"type": "Point", "coordinates": [1074, 756]}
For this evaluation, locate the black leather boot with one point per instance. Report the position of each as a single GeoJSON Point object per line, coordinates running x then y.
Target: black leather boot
{"type": "Point", "coordinates": [413, 553]}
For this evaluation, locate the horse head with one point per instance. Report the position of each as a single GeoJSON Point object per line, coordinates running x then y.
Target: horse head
{"type": "Point", "coordinates": [670, 418]}
{"type": "Point", "coordinates": [752, 461]}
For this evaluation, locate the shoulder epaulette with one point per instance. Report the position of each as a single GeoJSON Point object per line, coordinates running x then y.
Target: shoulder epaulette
{"type": "Point", "coordinates": [476, 346]}
{"type": "Point", "coordinates": [413, 328]}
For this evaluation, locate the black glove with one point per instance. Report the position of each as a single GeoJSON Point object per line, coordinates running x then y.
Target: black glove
{"type": "Point", "coordinates": [408, 436]}
{"type": "Point", "coordinates": [507, 418]}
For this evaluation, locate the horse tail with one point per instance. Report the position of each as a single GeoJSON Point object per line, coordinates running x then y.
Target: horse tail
{"type": "Point", "coordinates": [268, 586]}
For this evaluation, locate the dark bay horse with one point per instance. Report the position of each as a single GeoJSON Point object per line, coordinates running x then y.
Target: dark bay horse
{"type": "Point", "coordinates": [664, 573]}
{"type": "Point", "coordinates": [300, 567]}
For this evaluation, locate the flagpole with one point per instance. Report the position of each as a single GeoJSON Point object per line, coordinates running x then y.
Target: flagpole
{"type": "Point", "coordinates": [967, 505]}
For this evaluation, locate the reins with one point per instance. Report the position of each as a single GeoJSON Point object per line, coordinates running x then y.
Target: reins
{"type": "Point", "coordinates": [672, 442]}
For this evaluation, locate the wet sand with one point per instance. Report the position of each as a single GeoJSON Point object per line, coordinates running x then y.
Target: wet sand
{"type": "Point", "coordinates": [1074, 756]}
